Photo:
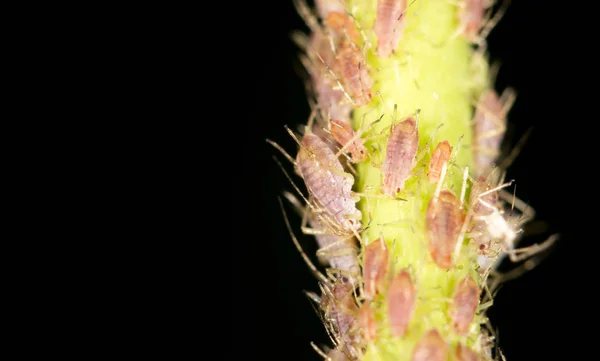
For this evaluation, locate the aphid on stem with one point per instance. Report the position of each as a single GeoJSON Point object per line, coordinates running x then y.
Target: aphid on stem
{"type": "Point", "coordinates": [431, 347]}
{"type": "Point", "coordinates": [443, 221]}
{"type": "Point", "coordinates": [389, 25]}
{"type": "Point", "coordinates": [464, 304]}
{"type": "Point", "coordinates": [401, 297]}
{"type": "Point", "coordinates": [489, 126]}
{"type": "Point", "coordinates": [401, 150]}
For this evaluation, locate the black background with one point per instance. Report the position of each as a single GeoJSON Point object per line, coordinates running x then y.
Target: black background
{"type": "Point", "coordinates": [539, 314]}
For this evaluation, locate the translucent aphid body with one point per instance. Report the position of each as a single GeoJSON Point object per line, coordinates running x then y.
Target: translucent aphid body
{"type": "Point", "coordinates": [441, 155]}
{"type": "Point", "coordinates": [431, 347]}
{"type": "Point", "coordinates": [343, 133]}
{"type": "Point", "coordinates": [375, 267]}
{"type": "Point", "coordinates": [327, 182]}
{"type": "Point", "coordinates": [400, 155]}
{"type": "Point", "coordinates": [464, 304]}
{"type": "Point", "coordinates": [401, 303]}
{"type": "Point", "coordinates": [389, 25]}
{"type": "Point", "coordinates": [489, 126]}
{"type": "Point", "coordinates": [340, 311]}
{"type": "Point", "coordinates": [443, 222]}
{"type": "Point", "coordinates": [330, 97]}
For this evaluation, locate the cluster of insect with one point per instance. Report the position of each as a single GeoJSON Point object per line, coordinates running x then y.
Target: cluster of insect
{"type": "Point", "coordinates": [329, 146]}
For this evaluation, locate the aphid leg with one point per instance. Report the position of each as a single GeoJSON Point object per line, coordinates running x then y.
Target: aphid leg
{"type": "Point", "coordinates": [520, 254]}
{"type": "Point", "coordinates": [426, 149]}
{"type": "Point", "coordinates": [307, 15]}
{"type": "Point", "coordinates": [320, 352]}
{"type": "Point", "coordinates": [489, 23]}
{"type": "Point", "coordinates": [463, 229]}
{"type": "Point", "coordinates": [279, 148]}
{"type": "Point", "coordinates": [308, 262]}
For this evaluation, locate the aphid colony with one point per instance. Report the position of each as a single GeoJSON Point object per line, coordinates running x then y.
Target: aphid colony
{"type": "Point", "coordinates": [360, 272]}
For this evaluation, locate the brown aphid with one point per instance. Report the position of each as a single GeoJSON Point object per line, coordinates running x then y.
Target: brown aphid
{"type": "Point", "coordinates": [343, 133]}
{"type": "Point", "coordinates": [463, 353]}
{"type": "Point", "coordinates": [353, 73]}
{"type": "Point", "coordinates": [464, 304]}
{"type": "Point", "coordinates": [489, 126]}
{"type": "Point", "coordinates": [389, 25]}
{"type": "Point", "coordinates": [399, 161]}
{"type": "Point", "coordinates": [441, 155]}
{"type": "Point", "coordinates": [401, 303]}
{"type": "Point", "coordinates": [431, 347]}
{"type": "Point", "coordinates": [375, 267]}
{"type": "Point", "coordinates": [343, 24]}
{"type": "Point", "coordinates": [366, 320]}
{"type": "Point", "coordinates": [328, 183]}
{"type": "Point", "coordinates": [443, 221]}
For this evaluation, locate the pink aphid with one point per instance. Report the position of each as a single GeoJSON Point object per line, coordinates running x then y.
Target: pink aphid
{"type": "Point", "coordinates": [399, 161]}
{"type": "Point", "coordinates": [471, 17]}
{"type": "Point", "coordinates": [401, 303]}
{"type": "Point", "coordinates": [464, 304]}
{"type": "Point", "coordinates": [366, 320]}
{"type": "Point", "coordinates": [443, 221]}
{"type": "Point", "coordinates": [389, 25]}
{"type": "Point", "coordinates": [343, 133]}
{"type": "Point", "coordinates": [327, 182]}
{"type": "Point", "coordinates": [330, 96]}
{"type": "Point", "coordinates": [375, 267]}
{"type": "Point", "coordinates": [441, 155]}
{"type": "Point", "coordinates": [463, 353]}
{"type": "Point", "coordinates": [352, 71]}
{"type": "Point", "coordinates": [340, 310]}
{"type": "Point", "coordinates": [489, 126]}
{"type": "Point", "coordinates": [431, 347]}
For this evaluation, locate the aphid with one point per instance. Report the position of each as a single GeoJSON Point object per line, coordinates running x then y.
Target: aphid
{"type": "Point", "coordinates": [443, 222]}
{"type": "Point", "coordinates": [375, 267]}
{"type": "Point", "coordinates": [343, 133]}
{"type": "Point", "coordinates": [475, 22]}
{"type": "Point", "coordinates": [463, 353]}
{"type": "Point", "coordinates": [399, 161]}
{"type": "Point", "coordinates": [489, 126]}
{"type": "Point", "coordinates": [431, 347]}
{"type": "Point", "coordinates": [328, 91]}
{"type": "Point", "coordinates": [441, 155]}
{"type": "Point", "coordinates": [401, 303]}
{"type": "Point", "coordinates": [389, 25]}
{"type": "Point", "coordinates": [339, 252]}
{"type": "Point", "coordinates": [464, 304]}
{"type": "Point", "coordinates": [366, 320]}
{"type": "Point", "coordinates": [353, 73]}
{"type": "Point", "coordinates": [327, 181]}
{"type": "Point", "coordinates": [340, 311]}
